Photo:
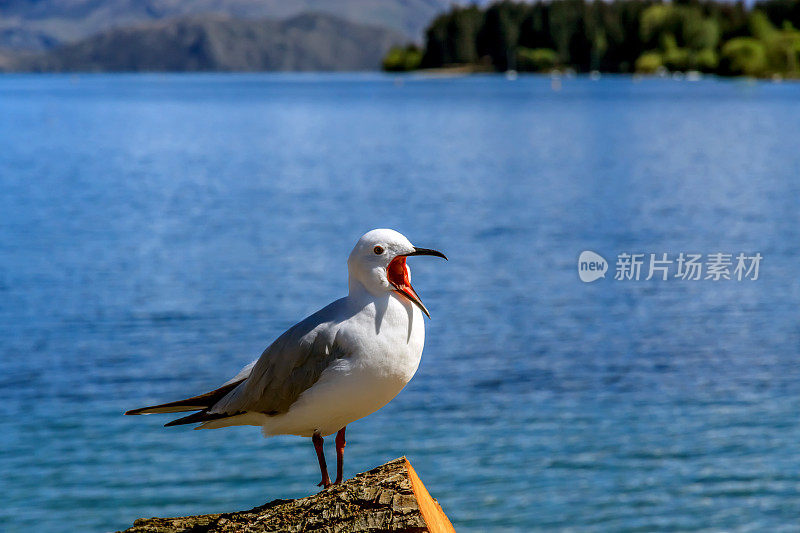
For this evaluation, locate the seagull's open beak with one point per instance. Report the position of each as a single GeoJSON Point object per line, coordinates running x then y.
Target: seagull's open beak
{"type": "Point", "coordinates": [397, 273]}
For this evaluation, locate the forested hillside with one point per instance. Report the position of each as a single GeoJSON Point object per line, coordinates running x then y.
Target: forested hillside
{"type": "Point", "coordinates": [619, 36]}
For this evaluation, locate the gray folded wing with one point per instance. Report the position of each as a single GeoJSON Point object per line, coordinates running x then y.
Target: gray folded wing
{"type": "Point", "coordinates": [287, 368]}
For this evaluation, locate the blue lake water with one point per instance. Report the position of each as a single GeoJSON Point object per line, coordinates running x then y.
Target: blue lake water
{"type": "Point", "coordinates": [157, 232]}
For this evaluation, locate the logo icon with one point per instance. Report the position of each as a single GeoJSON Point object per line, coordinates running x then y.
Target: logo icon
{"type": "Point", "coordinates": [591, 266]}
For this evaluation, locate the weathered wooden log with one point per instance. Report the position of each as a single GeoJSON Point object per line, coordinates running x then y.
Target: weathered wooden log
{"type": "Point", "coordinates": [388, 498]}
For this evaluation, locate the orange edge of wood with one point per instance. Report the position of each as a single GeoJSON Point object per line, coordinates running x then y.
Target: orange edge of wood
{"type": "Point", "coordinates": [432, 513]}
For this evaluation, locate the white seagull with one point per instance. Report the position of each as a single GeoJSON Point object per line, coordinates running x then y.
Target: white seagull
{"type": "Point", "coordinates": [340, 364]}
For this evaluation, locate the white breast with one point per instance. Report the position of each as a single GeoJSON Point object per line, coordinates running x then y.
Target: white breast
{"type": "Point", "coordinates": [384, 342]}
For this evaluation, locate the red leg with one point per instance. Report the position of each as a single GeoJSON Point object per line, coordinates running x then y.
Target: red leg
{"type": "Point", "coordinates": [326, 480]}
{"type": "Point", "coordinates": [340, 444]}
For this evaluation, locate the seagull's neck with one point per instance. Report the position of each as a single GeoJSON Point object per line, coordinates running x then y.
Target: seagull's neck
{"type": "Point", "coordinates": [360, 295]}
{"type": "Point", "coordinates": [357, 289]}
{"type": "Point", "coordinates": [390, 311]}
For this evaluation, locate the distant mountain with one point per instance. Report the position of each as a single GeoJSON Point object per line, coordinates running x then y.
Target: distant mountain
{"type": "Point", "coordinates": [217, 43]}
{"type": "Point", "coordinates": [44, 24]}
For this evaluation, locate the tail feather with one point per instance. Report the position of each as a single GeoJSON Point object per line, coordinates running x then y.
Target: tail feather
{"type": "Point", "coordinates": [195, 403]}
{"type": "Point", "coordinates": [202, 416]}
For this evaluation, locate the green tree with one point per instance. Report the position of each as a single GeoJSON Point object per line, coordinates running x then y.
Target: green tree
{"type": "Point", "coordinates": [499, 35]}
{"type": "Point", "coordinates": [617, 36]}
{"type": "Point", "coordinates": [436, 54]}
{"type": "Point", "coordinates": [699, 33]}
{"type": "Point", "coordinates": [534, 31]}
{"type": "Point", "coordinates": [782, 46]}
{"type": "Point", "coordinates": [462, 35]}
{"type": "Point", "coordinates": [744, 56]}
{"type": "Point", "coordinates": [781, 11]}
{"type": "Point", "coordinates": [402, 58]}
{"type": "Point", "coordinates": [569, 32]}
{"type": "Point", "coordinates": [536, 59]}
{"type": "Point", "coordinates": [705, 60]}
{"type": "Point", "coordinates": [649, 63]}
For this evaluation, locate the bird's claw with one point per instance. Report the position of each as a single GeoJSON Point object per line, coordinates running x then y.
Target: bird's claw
{"type": "Point", "coordinates": [325, 483]}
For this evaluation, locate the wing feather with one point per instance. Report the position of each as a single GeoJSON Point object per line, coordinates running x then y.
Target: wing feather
{"type": "Point", "coordinates": [195, 403]}
{"type": "Point", "coordinates": [270, 385]}
{"type": "Point", "coordinates": [287, 368]}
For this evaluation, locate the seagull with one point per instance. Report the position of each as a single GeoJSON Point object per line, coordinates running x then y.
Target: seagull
{"type": "Point", "coordinates": [337, 366]}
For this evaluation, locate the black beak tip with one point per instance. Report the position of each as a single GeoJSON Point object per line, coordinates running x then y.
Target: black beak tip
{"type": "Point", "coordinates": [428, 251]}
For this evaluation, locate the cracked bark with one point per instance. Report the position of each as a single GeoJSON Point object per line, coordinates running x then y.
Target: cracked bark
{"type": "Point", "coordinates": [388, 498]}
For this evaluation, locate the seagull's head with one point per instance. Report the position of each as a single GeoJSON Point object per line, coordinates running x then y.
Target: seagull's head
{"type": "Point", "coordinates": [378, 262]}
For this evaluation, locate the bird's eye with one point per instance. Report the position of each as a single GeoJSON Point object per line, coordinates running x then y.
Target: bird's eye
{"type": "Point", "coordinates": [378, 250]}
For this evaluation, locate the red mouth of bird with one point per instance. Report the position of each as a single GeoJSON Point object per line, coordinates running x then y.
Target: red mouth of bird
{"type": "Point", "coordinates": [397, 274]}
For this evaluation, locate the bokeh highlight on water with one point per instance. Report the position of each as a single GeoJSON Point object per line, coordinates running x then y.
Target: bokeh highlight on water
{"type": "Point", "coordinates": [158, 231]}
